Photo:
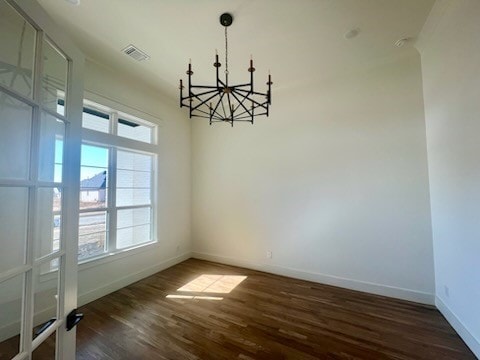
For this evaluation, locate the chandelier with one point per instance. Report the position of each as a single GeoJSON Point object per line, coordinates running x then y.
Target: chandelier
{"type": "Point", "coordinates": [225, 102]}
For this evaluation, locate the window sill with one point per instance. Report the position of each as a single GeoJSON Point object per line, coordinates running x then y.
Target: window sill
{"type": "Point", "coordinates": [119, 254]}
{"type": "Point", "coordinates": [105, 258]}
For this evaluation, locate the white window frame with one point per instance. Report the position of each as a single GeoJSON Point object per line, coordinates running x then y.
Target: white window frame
{"type": "Point", "coordinates": [114, 143]}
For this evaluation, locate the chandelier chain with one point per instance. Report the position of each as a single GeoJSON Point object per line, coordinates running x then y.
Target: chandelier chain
{"type": "Point", "coordinates": [226, 51]}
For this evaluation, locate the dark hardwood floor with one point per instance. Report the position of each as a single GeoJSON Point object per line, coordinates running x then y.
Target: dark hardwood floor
{"type": "Point", "coordinates": [264, 317]}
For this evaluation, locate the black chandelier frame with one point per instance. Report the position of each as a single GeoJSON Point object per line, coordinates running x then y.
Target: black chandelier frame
{"type": "Point", "coordinates": [224, 102]}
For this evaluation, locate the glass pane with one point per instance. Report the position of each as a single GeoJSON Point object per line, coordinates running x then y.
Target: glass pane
{"type": "Point", "coordinates": [134, 130]}
{"type": "Point", "coordinates": [133, 217]}
{"type": "Point", "coordinates": [49, 215]}
{"type": "Point", "coordinates": [133, 236]}
{"type": "Point", "coordinates": [93, 177]}
{"type": "Point", "coordinates": [45, 300]}
{"type": "Point", "coordinates": [95, 120]}
{"type": "Point", "coordinates": [13, 225]}
{"type": "Point", "coordinates": [52, 132]}
{"type": "Point", "coordinates": [10, 316]}
{"type": "Point", "coordinates": [133, 227]}
{"type": "Point", "coordinates": [92, 234]}
{"type": "Point", "coordinates": [133, 197]}
{"type": "Point", "coordinates": [17, 41]}
{"type": "Point", "coordinates": [128, 160]}
{"type": "Point", "coordinates": [15, 137]}
{"type": "Point", "coordinates": [134, 178]}
{"type": "Point", "coordinates": [46, 350]}
{"type": "Point", "coordinates": [55, 68]}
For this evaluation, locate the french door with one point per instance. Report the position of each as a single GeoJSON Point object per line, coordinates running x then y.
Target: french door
{"type": "Point", "coordinates": [39, 172]}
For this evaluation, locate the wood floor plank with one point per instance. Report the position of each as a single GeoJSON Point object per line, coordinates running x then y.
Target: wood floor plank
{"type": "Point", "coordinates": [265, 316]}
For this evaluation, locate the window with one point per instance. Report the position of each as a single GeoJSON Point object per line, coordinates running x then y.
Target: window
{"type": "Point", "coordinates": [117, 177]}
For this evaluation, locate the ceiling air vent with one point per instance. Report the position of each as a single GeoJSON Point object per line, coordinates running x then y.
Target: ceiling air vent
{"type": "Point", "coordinates": [135, 53]}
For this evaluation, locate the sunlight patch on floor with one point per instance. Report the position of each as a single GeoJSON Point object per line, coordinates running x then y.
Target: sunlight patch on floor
{"type": "Point", "coordinates": [221, 284]}
{"type": "Point", "coordinates": [212, 285]}
{"type": "Point", "coordinates": [190, 297]}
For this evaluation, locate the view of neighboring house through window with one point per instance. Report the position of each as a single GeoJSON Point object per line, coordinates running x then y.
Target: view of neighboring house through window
{"type": "Point", "coordinates": [117, 177]}
{"type": "Point", "coordinates": [93, 202]}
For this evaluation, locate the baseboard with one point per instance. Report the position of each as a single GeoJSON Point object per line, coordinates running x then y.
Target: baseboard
{"type": "Point", "coordinates": [472, 342]}
{"type": "Point", "coordinates": [378, 289]}
{"type": "Point", "coordinates": [130, 279]}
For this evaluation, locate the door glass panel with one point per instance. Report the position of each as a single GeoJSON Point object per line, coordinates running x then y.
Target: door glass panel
{"type": "Point", "coordinates": [17, 41]}
{"type": "Point", "coordinates": [11, 316]}
{"type": "Point", "coordinates": [54, 82]}
{"type": "Point", "coordinates": [46, 350]}
{"type": "Point", "coordinates": [92, 234]}
{"type": "Point", "coordinates": [45, 300]}
{"type": "Point", "coordinates": [52, 133]}
{"type": "Point", "coordinates": [13, 225]}
{"type": "Point", "coordinates": [49, 220]}
{"type": "Point", "coordinates": [15, 137]}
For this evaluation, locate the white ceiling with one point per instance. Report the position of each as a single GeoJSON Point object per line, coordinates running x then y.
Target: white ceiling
{"type": "Point", "coordinates": [300, 41]}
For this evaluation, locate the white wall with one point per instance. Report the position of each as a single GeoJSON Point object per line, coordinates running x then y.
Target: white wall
{"type": "Point", "coordinates": [334, 183]}
{"type": "Point", "coordinates": [174, 185]}
{"type": "Point", "coordinates": [450, 51]}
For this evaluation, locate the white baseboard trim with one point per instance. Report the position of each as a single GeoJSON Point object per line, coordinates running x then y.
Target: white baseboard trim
{"type": "Point", "coordinates": [472, 342]}
{"type": "Point", "coordinates": [130, 279]}
{"type": "Point", "coordinates": [378, 289]}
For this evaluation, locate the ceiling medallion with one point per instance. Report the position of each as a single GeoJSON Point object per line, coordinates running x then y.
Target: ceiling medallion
{"type": "Point", "coordinates": [225, 102]}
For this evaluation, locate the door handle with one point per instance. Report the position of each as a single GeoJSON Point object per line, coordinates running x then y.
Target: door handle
{"type": "Point", "coordinates": [73, 319]}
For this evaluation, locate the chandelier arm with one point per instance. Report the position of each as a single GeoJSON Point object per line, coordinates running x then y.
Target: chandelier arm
{"type": "Point", "coordinates": [253, 92]}
{"type": "Point", "coordinates": [241, 85]}
{"type": "Point", "coordinates": [240, 103]}
{"type": "Point", "coordinates": [212, 114]}
{"type": "Point", "coordinates": [196, 95]}
{"type": "Point", "coordinates": [230, 105]}
{"type": "Point", "coordinates": [202, 111]}
{"type": "Point", "coordinates": [204, 101]}
{"type": "Point", "coordinates": [224, 112]}
{"type": "Point", "coordinates": [245, 119]}
{"type": "Point", "coordinates": [203, 87]}
{"type": "Point", "coordinates": [243, 112]}
{"type": "Point", "coordinates": [204, 117]}
{"type": "Point", "coordinates": [258, 103]}
{"type": "Point", "coordinates": [218, 103]}
{"type": "Point", "coordinates": [204, 93]}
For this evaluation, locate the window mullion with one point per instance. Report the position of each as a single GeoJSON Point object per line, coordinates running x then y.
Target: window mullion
{"type": "Point", "coordinates": [112, 200]}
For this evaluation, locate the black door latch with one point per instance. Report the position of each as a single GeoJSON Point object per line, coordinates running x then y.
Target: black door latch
{"type": "Point", "coordinates": [73, 319]}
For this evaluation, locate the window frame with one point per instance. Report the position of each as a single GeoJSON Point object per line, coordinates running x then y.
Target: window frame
{"type": "Point", "coordinates": [114, 143]}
